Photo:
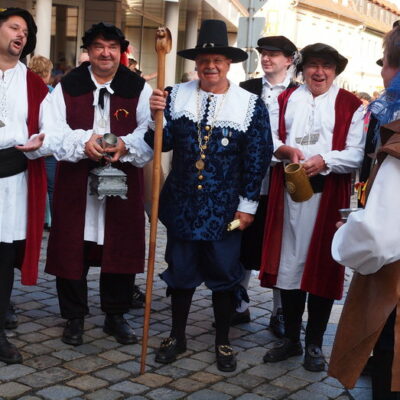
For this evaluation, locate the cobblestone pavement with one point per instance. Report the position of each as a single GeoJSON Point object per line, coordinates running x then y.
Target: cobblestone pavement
{"type": "Point", "coordinates": [102, 369]}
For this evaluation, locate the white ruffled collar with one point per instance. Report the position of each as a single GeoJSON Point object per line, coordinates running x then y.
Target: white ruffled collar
{"type": "Point", "coordinates": [237, 109]}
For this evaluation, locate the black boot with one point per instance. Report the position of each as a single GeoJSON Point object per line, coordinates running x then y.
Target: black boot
{"type": "Point", "coordinates": [116, 325]}
{"type": "Point", "coordinates": [8, 352]}
{"type": "Point", "coordinates": [73, 332]}
{"type": "Point", "coordinates": [169, 350]}
{"type": "Point", "coordinates": [382, 376]}
{"type": "Point", "coordinates": [11, 321]}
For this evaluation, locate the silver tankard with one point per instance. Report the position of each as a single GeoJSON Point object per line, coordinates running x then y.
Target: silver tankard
{"type": "Point", "coordinates": [108, 181]}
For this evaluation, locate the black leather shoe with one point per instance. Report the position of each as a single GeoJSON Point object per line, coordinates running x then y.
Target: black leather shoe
{"type": "Point", "coordinates": [277, 324]}
{"type": "Point", "coordinates": [73, 332]}
{"type": "Point", "coordinates": [8, 352]}
{"type": "Point", "coordinates": [138, 298]}
{"type": "Point", "coordinates": [11, 321]}
{"type": "Point", "coordinates": [226, 360]}
{"type": "Point", "coordinates": [116, 325]}
{"type": "Point", "coordinates": [314, 359]}
{"type": "Point", "coordinates": [169, 349]}
{"type": "Point", "coordinates": [282, 350]}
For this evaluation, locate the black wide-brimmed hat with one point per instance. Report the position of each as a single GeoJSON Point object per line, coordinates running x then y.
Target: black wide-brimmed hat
{"type": "Point", "coordinates": [379, 62]}
{"type": "Point", "coordinates": [6, 13]}
{"type": "Point", "coordinates": [213, 39]}
{"type": "Point", "coordinates": [277, 43]}
{"type": "Point", "coordinates": [108, 32]}
{"type": "Point", "coordinates": [322, 50]}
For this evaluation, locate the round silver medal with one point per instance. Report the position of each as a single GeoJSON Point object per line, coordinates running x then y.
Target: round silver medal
{"type": "Point", "coordinates": [224, 141]}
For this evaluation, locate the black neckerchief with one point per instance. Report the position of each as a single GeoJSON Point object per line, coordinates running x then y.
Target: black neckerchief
{"type": "Point", "coordinates": [125, 83]}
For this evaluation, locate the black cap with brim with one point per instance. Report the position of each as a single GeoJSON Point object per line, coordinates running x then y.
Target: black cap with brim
{"type": "Point", "coordinates": [5, 13]}
{"type": "Point", "coordinates": [277, 43]}
{"type": "Point", "coordinates": [108, 32]}
{"type": "Point", "coordinates": [322, 50]}
{"type": "Point", "coordinates": [213, 39]}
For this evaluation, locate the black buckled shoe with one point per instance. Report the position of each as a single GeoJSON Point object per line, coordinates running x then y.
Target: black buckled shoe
{"type": "Point", "coordinates": [282, 350]}
{"type": "Point", "coordinates": [226, 360]}
{"type": "Point", "coordinates": [314, 360]}
{"type": "Point", "coordinates": [138, 298]}
{"type": "Point", "coordinates": [240, 317]}
{"type": "Point", "coordinates": [169, 349]}
{"type": "Point", "coordinates": [8, 352]}
{"type": "Point", "coordinates": [116, 325]}
{"type": "Point", "coordinates": [73, 332]}
{"type": "Point", "coordinates": [11, 321]}
{"type": "Point", "coordinates": [277, 324]}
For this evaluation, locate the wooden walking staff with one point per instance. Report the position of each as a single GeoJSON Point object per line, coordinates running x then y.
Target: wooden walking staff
{"type": "Point", "coordinates": [163, 46]}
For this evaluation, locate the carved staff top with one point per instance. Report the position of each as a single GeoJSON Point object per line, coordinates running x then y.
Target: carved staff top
{"type": "Point", "coordinates": [163, 40]}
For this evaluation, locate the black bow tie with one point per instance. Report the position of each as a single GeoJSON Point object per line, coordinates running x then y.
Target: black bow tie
{"type": "Point", "coordinates": [102, 92]}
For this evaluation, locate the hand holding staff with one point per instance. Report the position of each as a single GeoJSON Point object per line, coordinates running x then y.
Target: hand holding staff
{"type": "Point", "coordinates": [163, 46]}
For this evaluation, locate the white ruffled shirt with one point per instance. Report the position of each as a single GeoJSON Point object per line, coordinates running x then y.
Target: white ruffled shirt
{"type": "Point", "coordinates": [67, 144]}
{"type": "Point", "coordinates": [370, 237]}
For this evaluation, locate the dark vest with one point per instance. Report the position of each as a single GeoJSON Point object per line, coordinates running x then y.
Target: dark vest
{"type": "Point", "coordinates": [124, 246]}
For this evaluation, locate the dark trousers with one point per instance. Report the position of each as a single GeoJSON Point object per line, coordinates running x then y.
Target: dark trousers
{"type": "Point", "coordinates": [115, 294]}
{"type": "Point", "coordinates": [8, 253]}
{"type": "Point", "coordinates": [382, 363]}
{"type": "Point", "coordinates": [319, 310]}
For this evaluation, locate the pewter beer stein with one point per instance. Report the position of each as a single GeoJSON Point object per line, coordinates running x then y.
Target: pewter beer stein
{"type": "Point", "coordinates": [108, 181]}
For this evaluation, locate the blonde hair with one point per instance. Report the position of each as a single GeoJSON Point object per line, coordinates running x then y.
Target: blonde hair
{"type": "Point", "coordinates": [41, 66]}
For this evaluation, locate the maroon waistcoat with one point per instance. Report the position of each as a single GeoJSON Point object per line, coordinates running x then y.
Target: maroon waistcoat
{"type": "Point", "coordinates": [124, 245]}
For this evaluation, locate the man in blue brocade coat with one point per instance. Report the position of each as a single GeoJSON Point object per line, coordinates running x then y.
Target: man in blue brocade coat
{"type": "Point", "coordinates": [221, 142]}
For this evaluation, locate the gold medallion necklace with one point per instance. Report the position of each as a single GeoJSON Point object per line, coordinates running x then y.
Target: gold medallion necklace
{"type": "Point", "coordinates": [203, 140]}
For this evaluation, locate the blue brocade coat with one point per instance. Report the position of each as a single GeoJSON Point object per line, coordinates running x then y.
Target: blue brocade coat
{"type": "Point", "coordinates": [232, 172]}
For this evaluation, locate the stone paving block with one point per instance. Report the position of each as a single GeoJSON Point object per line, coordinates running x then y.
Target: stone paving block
{"type": "Point", "coordinates": [152, 380]}
{"type": "Point", "coordinates": [187, 385]}
{"type": "Point", "coordinates": [228, 388]}
{"type": "Point", "coordinates": [46, 377]}
{"type": "Point", "coordinates": [306, 395]}
{"type": "Point", "coordinates": [88, 348]}
{"type": "Point", "coordinates": [105, 394]}
{"type": "Point", "coordinates": [67, 354]}
{"type": "Point", "coordinates": [112, 374]}
{"type": "Point", "coordinates": [54, 331]}
{"type": "Point", "coordinates": [33, 337]}
{"type": "Point", "coordinates": [252, 356]}
{"type": "Point", "coordinates": [28, 397]}
{"type": "Point", "coordinates": [129, 387]}
{"type": "Point", "coordinates": [308, 376]}
{"type": "Point", "coordinates": [136, 398]}
{"type": "Point", "coordinates": [272, 391]}
{"type": "Point", "coordinates": [86, 365]}
{"type": "Point", "coordinates": [190, 364]}
{"type": "Point", "coordinates": [14, 371]}
{"type": "Point", "coordinates": [96, 333]}
{"type": "Point", "coordinates": [325, 389]}
{"type": "Point", "coordinates": [28, 327]}
{"type": "Point", "coordinates": [246, 380]}
{"type": "Point", "coordinates": [105, 344]}
{"type": "Point", "coordinates": [267, 370]}
{"type": "Point", "coordinates": [59, 392]}
{"type": "Point", "coordinates": [166, 394]}
{"type": "Point", "coordinates": [42, 362]}
{"type": "Point", "coordinates": [206, 377]}
{"type": "Point", "coordinates": [116, 356]}
{"type": "Point", "coordinates": [36, 349]}
{"type": "Point", "coordinates": [13, 390]}
{"type": "Point", "coordinates": [173, 372]}
{"type": "Point", "coordinates": [243, 343]}
{"type": "Point", "coordinates": [56, 344]}
{"type": "Point", "coordinates": [289, 382]}
{"type": "Point", "coordinates": [208, 394]}
{"type": "Point", "coordinates": [30, 305]}
{"type": "Point", "coordinates": [87, 382]}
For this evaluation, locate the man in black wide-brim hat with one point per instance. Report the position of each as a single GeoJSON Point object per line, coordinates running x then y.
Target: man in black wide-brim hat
{"type": "Point", "coordinates": [221, 143]}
